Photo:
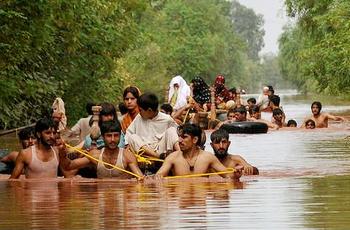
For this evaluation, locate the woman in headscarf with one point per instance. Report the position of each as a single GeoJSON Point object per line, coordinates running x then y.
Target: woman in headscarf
{"type": "Point", "coordinates": [200, 92]}
{"type": "Point", "coordinates": [178, 92]}
{"type": "Point", "coordinates": [222, 94]}
{"type": "Point", "coordinates": [131, 95]}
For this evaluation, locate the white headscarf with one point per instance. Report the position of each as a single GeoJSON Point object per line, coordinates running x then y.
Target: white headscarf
{"type": "Point", "coordinates": [183, 92]}
{"type": "Point", "coordinates": [58, 106]}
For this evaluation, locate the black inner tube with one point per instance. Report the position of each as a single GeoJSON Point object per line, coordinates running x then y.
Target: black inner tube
{"type": "Point", "coordinates": [245, 127]}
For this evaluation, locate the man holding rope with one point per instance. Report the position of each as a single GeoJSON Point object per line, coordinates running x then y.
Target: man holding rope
{"type": "Point", "coordinates": [110, 161]}
{"type": "Point", "coordinates": [191, 159]}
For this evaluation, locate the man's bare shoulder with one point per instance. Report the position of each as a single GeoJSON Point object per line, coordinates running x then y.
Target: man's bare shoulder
{"type": "Point", "coordinates": [174, 155]}
{"type": "Point", "coordinates": [95, 153]}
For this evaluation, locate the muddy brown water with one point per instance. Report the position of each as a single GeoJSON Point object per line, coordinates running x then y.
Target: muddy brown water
{"type": "Point", "coordinates": [304, 184]}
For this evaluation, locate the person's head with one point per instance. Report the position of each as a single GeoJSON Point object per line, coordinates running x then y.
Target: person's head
{"type": "Point", "coordinates": [88, 107]}
{"type": "Point", "coordinates": [232, 92]}
{"type": "Point", "coordinates": [166, 108]}
{"type": "Point", "coordinates": [220, 143]}
{"type": "Point", "coordinates": [56, 116]}
{"type": "Point", "coordinates": [316, 107]}
{"type": "Point", "coordinates": [271, 91]}
{"type": "Point", "coordinates": [190, 136]}
{"type": "Point", "coordinates": [148, 103]}
{"type": "Point", "coordinates": [122, 108]}
{"type": "Point", "coordinates": [27, 137]}
{"type": "Point", "coordinates": [110, 131]}
{"type": "Point", "coordinates": [292, 123]}
{"type": "Point", "coordinates": [241, 114]}
{"type": "Point", "coordinates": [310, 124]}
{"type": "Point", "coordinates": [277, 114]}
{"type": "Point", "coordinates": [108, 113]}
{"type": "Point", "coordinates": [45, 131]}
{"type": "Point", "coordinates": [255, 112]}
{"type": "Point", "coordinates": [266, 90]}
{"type": "Point", "coordinates": [251, 101]}
{"type": "Point", "coordinates": [231, 114]}
{"type": "Point", "coordinates": [274, 100]}
{"type": "Point", "coordinates": [130, 95]}
{"type": "Point", "coordinates": [219, 81]}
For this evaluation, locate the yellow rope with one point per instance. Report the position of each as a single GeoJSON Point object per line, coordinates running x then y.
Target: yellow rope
{"type": "Point", "coordinates": [228, 170]}
{"type": "Point", "coordinates": [97, 160]}
{"type": "Point", "coordinates": [144, 159]}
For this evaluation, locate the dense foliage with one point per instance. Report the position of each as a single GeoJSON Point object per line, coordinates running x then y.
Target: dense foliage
{"type": "Point", "coordinates": [315, 52]}
{"type": "Point", "coordinates": [90, 50]}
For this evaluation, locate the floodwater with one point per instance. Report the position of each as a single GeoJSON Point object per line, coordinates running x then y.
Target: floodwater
{"type": "Point", "coordinates": [304, 184]}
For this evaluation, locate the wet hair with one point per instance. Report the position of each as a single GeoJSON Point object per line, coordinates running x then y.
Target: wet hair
{"type": "Point", "coordinates": [110, 126]}
{"type": "Point", "coordinates": [271, 89]}
{"type": "Point", "coordinates": [275, 99]}
{"type": "Point", "coordinates": [292, 122]}
{"type": "Point", "coordinates": [44, 124]}
{"type": "Point", "coordinates": [277, 111]}
{"type": "Point", "coordinates": [88, 107]}
{"type": "Point", "coordinates": [319, 105]}
{"type": "Point", "coordinates": [107, 109]}
{"type": "Point", "coordinates": [122, 108]}
{"type": "Point", "coordinates": [133, 90]}
{"type": "Point", "coordinates": [252, 100]}
{"type": "Point", "coordinates": [26, 133]}
{"type": "Point", "coordinates": [254, 109]}
{"type": "Point", "coordinates": [148, 101]}
{"type": "Point", "coordinates": [232, 110]}
{"type": "Point", "coordinates": [310, 120]}
{"type": "Point", "coordinates": [241, 110]}
{"type": "Point", "coordinates": [218, 135]}
{"type": "Point", "coordinates": [192, 130]}
{"type": "Point", "coordinates": [167, 108]}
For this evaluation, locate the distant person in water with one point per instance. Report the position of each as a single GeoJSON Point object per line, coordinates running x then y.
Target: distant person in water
{"type": "Point", "coordinates": [321, 119]}
{"type": "Point", "coordinates": [220, 144]}
{"type": "Point", "coordinates": [278, 118]}
{"type": "Point", "coordinates": [191, 159]}
{"type": "Point", "coordinates": [41, 159]}
{"type": "Point", "coordinates": [26, 138]}
{"type": "Point", "coordinates": [292, 123]}
{"type": "Point", "coordinates": [310, 124]}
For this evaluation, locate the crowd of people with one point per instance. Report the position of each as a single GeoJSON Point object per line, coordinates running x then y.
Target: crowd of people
{"type": "Point", "coordinates": [149, 141]}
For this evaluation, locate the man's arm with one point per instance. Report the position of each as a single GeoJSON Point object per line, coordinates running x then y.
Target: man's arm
{"type": "Point", "coordinates": [68, 164]}
{"type": "Point", "coordinates": [166, 166]}
{"type": "Point", "coordinates": [132, 162]}
{"type": "Point", "coordinates": [248, 168]}
{"type": "Point", "coordinates": [20, 163]}
{"type": "Point", "coordinates": [335, 118]}
{"type": "Point", "coordinates": [219, 167]}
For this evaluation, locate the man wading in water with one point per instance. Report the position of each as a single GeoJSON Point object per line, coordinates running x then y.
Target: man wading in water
{"type": "Point", "coordinates": [110, 153]}
{"type": "Point", "coordinates": [220, 144]}
{"type": "Point", "coordinates": [321, 119]}
{"type": "Point", "coordinates": [41, 159]}
{"type": "Point", "coordinates": [191, 159]}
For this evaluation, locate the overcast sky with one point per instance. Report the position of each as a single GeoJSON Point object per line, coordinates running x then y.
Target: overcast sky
{"type": "Point", "coordinates": [275, 18]}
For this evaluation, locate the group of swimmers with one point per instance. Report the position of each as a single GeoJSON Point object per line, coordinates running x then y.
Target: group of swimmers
{"type": "Point", "coordinates": [146, 141]}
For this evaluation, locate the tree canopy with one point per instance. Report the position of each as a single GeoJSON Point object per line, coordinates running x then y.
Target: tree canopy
{"type": "Point", "coordinates": [90, 50]}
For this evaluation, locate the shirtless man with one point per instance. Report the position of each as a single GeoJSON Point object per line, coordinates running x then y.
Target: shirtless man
{"type": "Point", "coordinates": [41, 159]}
{"type": "Point", "coordinates": [191, 159]}
{"type": "Point", "coordinates": [321, 119]}
{"type": "Point", "coordinates": [110, 153]}
{"type": "Point", "coordinates": [220, 144]}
